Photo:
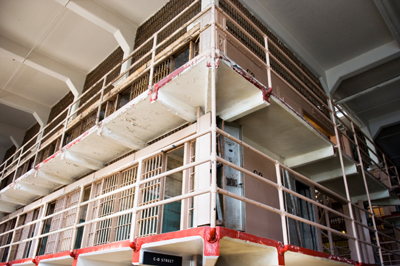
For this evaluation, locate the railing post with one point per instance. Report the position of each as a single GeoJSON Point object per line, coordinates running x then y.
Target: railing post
{"type": "Point", "coordinates": [268, 62]}
{"type": "Point", "coordinates": [348, 197]}
{"type": "Point", "coordinates": [328, 223]}
{"type": "Point", "coordinates": [367, 192]}
{"type": "Point", "coordinates": [387, 170]}
{"type": "Point", "coordinates": [101, 100]}
{"type": "Point", "coordinates": [38, 143]}
{"type": "Point", "coordinates": [65, 126]}
{"type": "Point", "coordinates": [281, 203]}
{"type": "Point", "coordinates": [213, 206]}
{"type": "Point", "coordinates": [153, 58]}
{"type": "Point", "coordinates": [19, 160]}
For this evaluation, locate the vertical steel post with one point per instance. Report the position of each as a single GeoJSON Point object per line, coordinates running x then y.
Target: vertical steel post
{"type": "Point", "coordinates": [339, 146]}
{"type": "Point", "coordinates": [386, 167]}
{"type": "Point", "coordinates": [38, 143]}
{"type": "Point", "coordinates": [213, 120]}
{"type": "Point", "coordinates": [19, 160]}
{"type": "Point", "coordinates": [153, 57]}
{"type": "Point", "coordinates": [268, 63]}
{"type": "Point", "coordinates": [65, 126]}
{"type": "Point", "coordinates": [281, 203]}
{"type": "Point", "coordinates": [101, 100]}
{"type": "Point", "coordinates": [367, 192]}
{"type": "Point", "coordinates": [328, 223]}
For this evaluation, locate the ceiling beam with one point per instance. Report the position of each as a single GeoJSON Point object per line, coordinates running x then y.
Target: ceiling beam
{"type": "Point", "coordinates": [375, 125]}
{"type": "Point", "coordinates": [390, 17]}
{"type": "Point", "coordinates": [371, 89]}
{"type": "Point", "coordinates": [361, 63]}
{"type": "Point", "coordinates": [39, 111]}
{"type": "Point", "coordinates": [122, 30]}
{"type": "Point", "coordinates": [73, 78]}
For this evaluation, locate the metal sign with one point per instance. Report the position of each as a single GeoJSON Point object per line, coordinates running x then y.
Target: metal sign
{"type": "Point", "coordinates": [150, 258]}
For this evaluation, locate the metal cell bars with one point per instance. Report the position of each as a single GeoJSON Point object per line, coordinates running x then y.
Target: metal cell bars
{"type": "Point", "coordinates": [69, 219]}
{"type": "Point", "coordinates": [107, 207]}
{"type": "Point", "coordinates": [23, 250]}
{"type": "Point", "coordinates": [56, 224]}
{"type": "Point", "coordinates": [150, 192]}
{"type": "Point", "coordinates": [93, 213]}
{"type": "Point", "coordinates": [192, 174]}
{"type": "Point", "coordinates": [6, 239]}
{"type": "Point", "coordinates": [162, 70]}
{"type": "Point", "coordinates": [126, 202]}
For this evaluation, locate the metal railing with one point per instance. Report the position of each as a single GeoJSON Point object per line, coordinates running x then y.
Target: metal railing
{"type": "Point", "coordinates": [67, 232]}
{"type": "Point", "coordinates": [366, 156]}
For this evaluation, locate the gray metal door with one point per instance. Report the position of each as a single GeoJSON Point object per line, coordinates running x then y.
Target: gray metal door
{"type": "Point", "coordinates": [234, 209]}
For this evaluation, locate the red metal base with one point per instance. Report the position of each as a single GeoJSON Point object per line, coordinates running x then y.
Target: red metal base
{"type": "Point", "coordinates": [211, 239]}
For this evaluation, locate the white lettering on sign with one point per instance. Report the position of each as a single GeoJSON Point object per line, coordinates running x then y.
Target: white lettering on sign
{"type": "Point", "coordinates": [163, 260]}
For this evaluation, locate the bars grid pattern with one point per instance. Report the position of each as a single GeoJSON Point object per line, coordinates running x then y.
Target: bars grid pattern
{"type": "Point", "coordinates": [150, 193]}
{"type": "Point", "coordinates": [126, 200]}
{"type": "Point", "coordinates": [69, 220]}
{"type": "Point", "coordinates": [106, 208]}
{"type": "Point", "coordinates": [56, 223]}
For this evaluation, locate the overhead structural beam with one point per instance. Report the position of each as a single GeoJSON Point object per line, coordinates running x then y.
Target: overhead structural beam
{"type": "Point", "coordinates": [7, 207]}
{"type": "Point", "coordinates": [122, 30]}
{"type": "Point", "coordinates": [375, 125]}
{"type": "Point", "coordinates": [82, 160]}
{"type": "Point", "coordinates": [40, 111]}
{"type": "Point", "coordinates": [390, 17]}
{"type": "Point", "coordinates": [53, 178]}
{"type": "Point", "coordinates": [73, 78]}
{"type": "Point", "coordinates": [128, 141]}
{"type": "Point", "coordinates": [381, 85]}
{"type": "Point", "coordinates": [368, 60]}
{"type": "Point", "coordinates": [18, 201]}
{"type": "Point", "coordinates": [31, 189]}
{"type": "Point", "coordinates": [177, 107]}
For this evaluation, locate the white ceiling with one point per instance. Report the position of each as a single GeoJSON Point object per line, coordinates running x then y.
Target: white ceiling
{"type": "Point", "coordinates": [48, 46]}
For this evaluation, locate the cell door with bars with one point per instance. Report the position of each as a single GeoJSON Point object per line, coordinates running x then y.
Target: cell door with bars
{"type": "Point", "coordinates": [25, 233]}
{"type": "Point", "coordinates": [69, 220]}
{"type": "Point", "coordinates": [106, 207]}
{"type": "Point", "coordinates": [126, 199]}
{"type": "Point", "coordinates": [149, 219]}
{"type": "Point", "coordinates": [56, 224]}
{"type": "Point", "coordinates": [93, 213]}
